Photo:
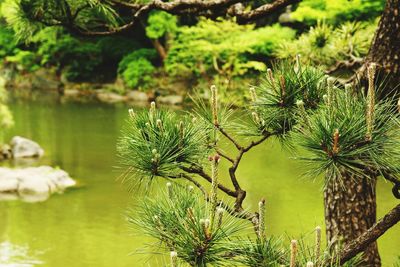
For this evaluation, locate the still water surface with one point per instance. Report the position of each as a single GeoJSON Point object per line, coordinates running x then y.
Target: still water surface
{"type": "Point", "coordinates": [86, 226]}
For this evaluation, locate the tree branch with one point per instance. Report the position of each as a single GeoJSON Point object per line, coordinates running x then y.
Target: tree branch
{"type": "Point", "coordinates": [184, 7]}
{"type": "Point", "coordinates": [229, 137]}
{"type": "Point", "coordinates": [259, 12]}
{"type": "Point", "coordinates": [371, 235]}
{"type": "Point", "coordinates": [201, 173]}
{"type": "Point", "coordinates": [197, 184]}
{"type": "Point", "coordinates": [396, 183]}
{"type": "Point", "coordinates": [222, 154]}
{"type": "Point", "coordinates": [252, 217]}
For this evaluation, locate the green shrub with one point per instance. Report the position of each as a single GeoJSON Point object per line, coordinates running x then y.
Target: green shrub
{"type": "Point", "coordinates": [7, 42]}
{"type": "Point", "coordinates": [24, 60]}
{"type": "Point", "coordinates": [6, 118]}
{"type": "Point", "coordinates": [223, 47]}
{"type": "Point", "coordinates": [78, 59]}
{"type": "Point", "coordinates": [138, 73]}
{"type": "Point", "coordinates": [337, 11]}
{"type": "Point", "coordinates": [113, 48]}
{"type": "Point", "coordinates": [325, 45]}
{"type": "Point", "coordinates": [159, 24]}
{"type": "Point", "coordinates": [136, 68]}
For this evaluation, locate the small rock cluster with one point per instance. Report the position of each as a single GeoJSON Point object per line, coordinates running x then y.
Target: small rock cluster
{"type": "Point", "coordinates": [21, 147]}
{"type": "Point", "coordinates": [33, 184]}
{"type": "Point", "coordinates": [134, 96]}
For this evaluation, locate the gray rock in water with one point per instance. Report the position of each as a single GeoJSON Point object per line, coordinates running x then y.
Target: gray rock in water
{"type": "Point", "coordinates": [34, 183]}
{"type": "Point", "coordinates": [170, 100]}
{"type": "Point", "coordinates": [137, 96]}
{"type": "Point", "coordinates": [110, 97]}
{"type": "Point", "coordinates": [23, 148]}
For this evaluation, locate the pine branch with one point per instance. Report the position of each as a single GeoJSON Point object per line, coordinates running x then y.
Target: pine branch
{"type": "Point", "coordinates": [200, 171]}
{"type": "Point", "coordinates": [262, 11]}
{"type": "Point", "coordinates": [211, 8]}
{"type": "Point", "coordinates": [222, 154]}
{"type": "Point", "coordinates": [378, 229]}
{"type": "Point", "coordinates": [252, 217]}
{"type": "Point", "coordinates": [229, 137]}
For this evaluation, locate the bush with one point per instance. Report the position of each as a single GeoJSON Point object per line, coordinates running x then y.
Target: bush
{"type": "Point", "coordinates": [6, 118]}
{"type": "Point", "coordinates": [114, 48]}
{"type": "Point", "coordinates": [337, 11]}
{"type": "Point", "coordinates": [136, 68]}
{"type": "Point", "coordinates": [159, 24]}
{"type": "Point", "coordinates": [223, 47]}
{"type": "Point", "coordinates": [325, 45]}
{"type": "Point", "coordinates": [24, 60]}
{"type": "Point", "coordinates": [7, 42]}
{"type": "Point", "coordinates": [78, 59]}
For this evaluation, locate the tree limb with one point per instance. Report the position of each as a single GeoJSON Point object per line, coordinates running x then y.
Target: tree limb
{"type": "Point", "coordinates": [259, 12]}
{"type": "Point", "coordinates": [181, 7]}
{"type": "Point", "coordinates": [378, 229]}
{"type": "Point", "coordinates": [229, 137]}
{"type": "Point", "coordinates": [201, 173]}
{"type": "Point", "coordinates": [222, 154]}
{"type": "Point", "coordinates": [252, 217]}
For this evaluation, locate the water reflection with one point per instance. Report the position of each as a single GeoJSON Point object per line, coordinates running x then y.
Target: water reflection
{"type": "Point", "coordinates": [12, 255]}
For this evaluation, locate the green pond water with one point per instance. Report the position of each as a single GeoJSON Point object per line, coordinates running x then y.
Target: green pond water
{"type": "Point", "coordinates": [86, 226]}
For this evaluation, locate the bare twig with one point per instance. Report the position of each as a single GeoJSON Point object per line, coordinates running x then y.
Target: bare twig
{"type": "Point", "coordinates": [229, 137]}
{"type": "Point", "coordinates": [222, 154]}
{"type": "Point", "coordinates": [200, 171]}
{"type": "Point", "coordinates": [252, 217]}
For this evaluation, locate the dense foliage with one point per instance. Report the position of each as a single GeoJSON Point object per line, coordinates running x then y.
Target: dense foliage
{"type": "Point", "coordinates": [6, 118]}
{"type": "Point", "coordinates": [223, 47]}
{"type": "Point", "coordinates": [352, 134]}
{"type": "Point", "coordinates": [337, 11]}
{"type": "Point", "coordinates": [326, 46]}
{"type": "Point", "coordinates": [197, 51]}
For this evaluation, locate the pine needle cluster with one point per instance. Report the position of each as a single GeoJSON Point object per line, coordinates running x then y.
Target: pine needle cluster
{"type": "Point", "coordinates": [157, 142]}
{"type": "Point", "coordinates": [275, 102]}
{"type": "Point", "coordinates": [350, 133]}
{"type": "Point", "coordinates": [179, 219]}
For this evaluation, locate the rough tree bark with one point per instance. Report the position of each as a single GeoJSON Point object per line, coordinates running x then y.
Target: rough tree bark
{"type": "Point", "coordinates": [160, 49]}
{"type": "Point", "coordinates": [385, 48]}
{"type": "Point", "coordinates": [350, 210]}
{"type": "Point", "coordinates": [376, 231]}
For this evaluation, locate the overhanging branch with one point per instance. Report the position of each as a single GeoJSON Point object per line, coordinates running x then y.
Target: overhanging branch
{"type": "Point", "coordinates": [181, 7]}
{"type": "Point", "coordinates": [259, 12]}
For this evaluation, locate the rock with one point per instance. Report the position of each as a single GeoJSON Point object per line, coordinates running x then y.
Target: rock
{"type": "Point", "coordinates": [72, 92]}
{"type": "Point", "coordinates": [170, 99]}
{"type": "Point", "coordinates": [33, 183]}
{"type": "Point", "coordinates": [6, 151]}
{"type": "Point", "coordinates": [22, 148]}
{"type": "Point", "coordinates": [137, 96]}
{"type": "Point", "coordinates": [7, 183]}
{"type": "Point", "coordinates": [286, 17]}
{"type": "Point", "coordinates": [110, 97]}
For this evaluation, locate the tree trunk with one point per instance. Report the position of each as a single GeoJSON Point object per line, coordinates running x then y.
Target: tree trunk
{"type": "Point", "coordinates": [160, 49]}
{"type": "Point", "coordinates": [350, 210]}
{"type": "Point", "coordinates": [385, 48]}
